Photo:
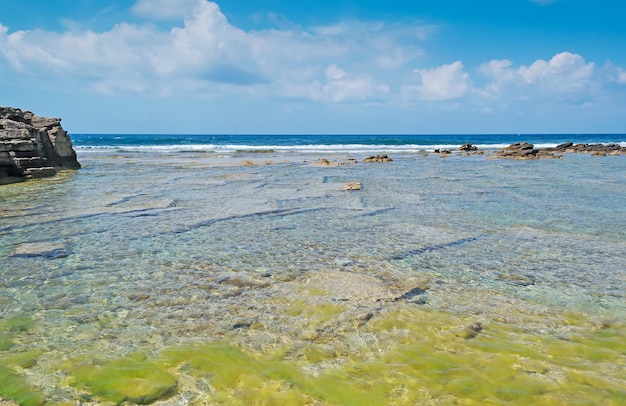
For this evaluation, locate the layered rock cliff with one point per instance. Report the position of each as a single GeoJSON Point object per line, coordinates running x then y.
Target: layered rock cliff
{"type": "Point", "coordinates": [32, 146]}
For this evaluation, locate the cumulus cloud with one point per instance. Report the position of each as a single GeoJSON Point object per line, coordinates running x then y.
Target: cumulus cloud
{"type": "Point", "coordinates": [564, 72]}
{"type": "Point", "coordinates": [442, 83]}
{"type": "Point", "coordinates": [205, 50]}
{"type": "Point", "coordinates": [202, 54]}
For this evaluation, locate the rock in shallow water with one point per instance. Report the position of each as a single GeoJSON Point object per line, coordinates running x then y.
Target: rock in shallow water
{"type": "Point", "coordinates": [352, 186]}
{"type": "Point", "coordinates": [49, 250]}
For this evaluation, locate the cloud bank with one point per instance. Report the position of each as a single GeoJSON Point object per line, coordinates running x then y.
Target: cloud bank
{"type": "Point", "coordinates": [199, 53]}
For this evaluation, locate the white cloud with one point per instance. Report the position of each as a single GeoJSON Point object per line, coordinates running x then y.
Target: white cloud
{"type": "Point", "coordinates": [203, 55]}
{"type": "Point", "coordinates": [204, 48]}
{"type": "Point", "coordinates": [340, 87]}
{"type": "Point", "coordinates": [565, 72]}
{"type": "Point", "coordinates": [334, 73]}
{"type": "Point", "coordinates": [446, 82]}
{"type": "Point", "coordinates": [621, 76]}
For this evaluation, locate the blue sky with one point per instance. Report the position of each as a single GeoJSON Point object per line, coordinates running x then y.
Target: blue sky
{"type": "Point", "coordinates": [317, 66]}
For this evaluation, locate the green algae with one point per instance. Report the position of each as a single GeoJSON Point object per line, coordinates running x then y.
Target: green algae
{"type": "Point", "coordinates": [17, 324]}
{"type": "Point", "coordinates": [503, 363]}
{"type": "Point", "coordinates": [15, 388]}
{"type": "Point", "coordinates": [11, 327]}
{"type": "Point", "coordinates": [131, 379]}
{"type": "Point", "coordinates": [236, 377]}
{"type": "Point", "coordinates": [415, 355]}
{"type": "Point", "coordinates": [6, 342]}
{"type": "Point", "coordinates": [13, 385]}
{"type": "Point", "coordinates": [24, 360]}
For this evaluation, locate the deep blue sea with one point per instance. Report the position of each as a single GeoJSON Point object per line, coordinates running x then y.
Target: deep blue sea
{"type": "Point", "coordinates": [326, 143]}
{"type": "Point", "coordinates": [238, 270]}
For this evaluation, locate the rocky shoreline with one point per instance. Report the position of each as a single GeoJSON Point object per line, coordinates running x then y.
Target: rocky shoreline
{"type": "Point", "coordinates": [32, 147]}
{"type": "Point", "coordinates": [524, 150]}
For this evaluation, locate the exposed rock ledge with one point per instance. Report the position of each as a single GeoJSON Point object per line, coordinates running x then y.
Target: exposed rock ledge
{"type": "Point", "coordinates": [524, 150]}
{"type": "Point", "coordinates": [32, 146]}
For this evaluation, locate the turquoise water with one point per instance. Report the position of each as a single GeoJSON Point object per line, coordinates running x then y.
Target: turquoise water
{"type": "Point", "coordinates": [141, 252]}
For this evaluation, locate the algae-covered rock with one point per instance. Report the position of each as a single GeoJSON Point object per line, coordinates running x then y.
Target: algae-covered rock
{"type": "Point", "coordinates": [129, 379]}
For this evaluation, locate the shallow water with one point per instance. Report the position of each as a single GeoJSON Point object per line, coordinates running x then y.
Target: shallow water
{"type": "Point", "coordinates": [253, 278]}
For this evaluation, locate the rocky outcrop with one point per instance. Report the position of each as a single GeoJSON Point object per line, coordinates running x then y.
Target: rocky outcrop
{"type": "Point", "coordinates": [518, 150]}
{"type": "Point", "coordinates": [32, 146]}
{"type": "Point", "coordinates": [594, 149]}
{"type": "Point", "coordinates": [524, 150]}
{"type": "Point", "coordinates": [467, 147]}
{"type": "Point", "coordinates": [378, 158]}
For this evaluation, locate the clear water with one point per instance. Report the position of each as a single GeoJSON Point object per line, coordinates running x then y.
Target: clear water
{"type": "Point", "coordinates": [145, 252]}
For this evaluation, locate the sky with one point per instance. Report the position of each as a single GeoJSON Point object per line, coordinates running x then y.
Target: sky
{"type": "Point", "coordinates": [317, 66]}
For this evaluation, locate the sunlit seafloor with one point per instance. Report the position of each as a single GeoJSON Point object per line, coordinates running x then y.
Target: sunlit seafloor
{"type": "Point", "coordinates": [192, 278]}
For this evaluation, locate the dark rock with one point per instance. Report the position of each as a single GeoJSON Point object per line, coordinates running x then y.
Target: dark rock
{"type": "Point", "coordinates": [467, 147]}
{"type": "Point", "coordinates": [242, 325]}
{"type": "Point", "coordinates": [32, 147]}
{"type": "Point", "coordinates": [564, 146]}
{"type": "Point", "coordinates": [518, 150]}
{"type": "Point", "coordinates": [470, 331]}
{"type": "Point", "coordinates": [413, 296]}
{"type": "Point", "coordinates": [524, 150]}
{"type": "Point", "coordinates": [378, 158]}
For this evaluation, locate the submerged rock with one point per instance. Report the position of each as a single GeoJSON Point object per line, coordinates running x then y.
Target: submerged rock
{"type": "Point", "coordinates": [352, 186]}
{"type": "Point", "coordinates": [49, 250]}
{"type": "Point", "coordinates": [470, 331]}
{"type": "Point", "coordinates": [412, 296]}
{"type": "Point", "coordinates": [32, 147]}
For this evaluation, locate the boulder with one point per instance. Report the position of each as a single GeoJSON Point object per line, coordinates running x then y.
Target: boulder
{"type": "Point", "coordinates": [518, 150]}
{"type": "Point", "coordinates": [32, 146]}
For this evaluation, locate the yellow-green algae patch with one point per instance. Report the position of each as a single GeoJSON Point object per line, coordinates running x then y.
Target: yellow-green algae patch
{"type": "Point", "coordinates": [13, 385]}
{"type": "Point", "coordinates": [11, 327]}
{"type": "Point", "coordinates": [132, 379]}
{"type": "Point", "coordinates": [500, 363]}
{"type": "Point", "coordinates": [418, 357]}
{"type": "Point", "coordinates": [236, 377]}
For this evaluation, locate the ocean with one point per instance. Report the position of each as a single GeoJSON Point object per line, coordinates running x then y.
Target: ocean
{"type": "Point", "coordinates": [236, 269]}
